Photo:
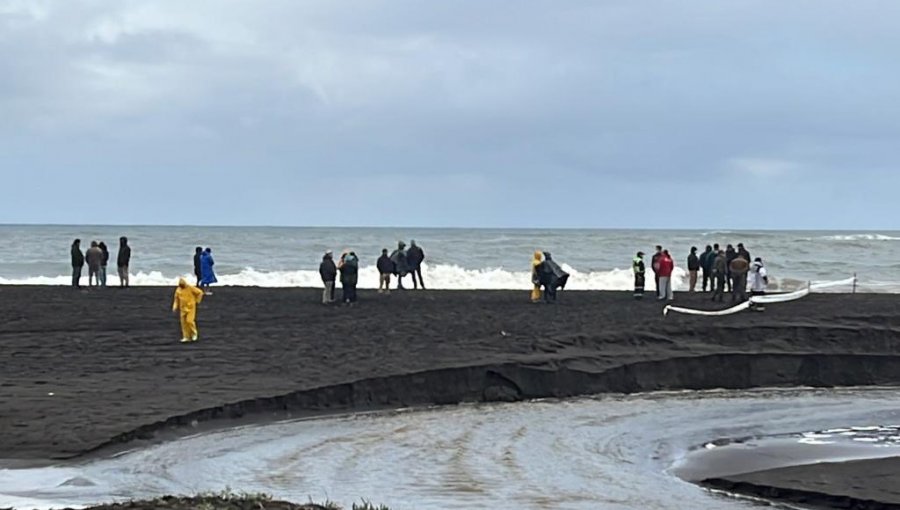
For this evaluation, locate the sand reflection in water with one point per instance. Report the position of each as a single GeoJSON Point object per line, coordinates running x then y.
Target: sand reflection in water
{"type": "Point", "coordinates": [610, 452]}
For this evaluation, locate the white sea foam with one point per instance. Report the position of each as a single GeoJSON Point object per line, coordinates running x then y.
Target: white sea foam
{"type": "Point", "coordinates": [449, 277]}
{"type": "Point", "coordinates": [860, 237]}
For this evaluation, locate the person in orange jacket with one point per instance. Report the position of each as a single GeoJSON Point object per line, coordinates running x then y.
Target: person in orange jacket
{"type": "Point", "coordinates": [535, 278]}
{"type": "Point", "coordinates": [187, 297]}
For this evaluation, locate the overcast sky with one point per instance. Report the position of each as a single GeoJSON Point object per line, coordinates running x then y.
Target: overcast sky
{"type": "Point", "coordinates": [595, 113]}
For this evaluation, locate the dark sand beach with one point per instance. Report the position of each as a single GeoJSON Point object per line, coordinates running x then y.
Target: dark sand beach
{"type": "Point", "coordinates": [91, 371]}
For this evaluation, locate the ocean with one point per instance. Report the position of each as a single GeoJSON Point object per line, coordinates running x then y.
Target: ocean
{"type": "Point", "coordinates": [455, 258]}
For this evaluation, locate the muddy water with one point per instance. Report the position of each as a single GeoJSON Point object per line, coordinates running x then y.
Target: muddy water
{"type": "Point", "coordinates": [611, 452]}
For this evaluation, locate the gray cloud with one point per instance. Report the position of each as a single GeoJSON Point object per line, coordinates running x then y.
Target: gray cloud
{"type": "Point", "coordinates": [472, 113]}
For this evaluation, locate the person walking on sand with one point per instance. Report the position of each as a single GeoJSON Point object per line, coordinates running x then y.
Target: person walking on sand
{"type": "Point", "coordinates": [77, 263]}
{"type": "Point", "coordinates": [666, 268]}
{"type": "Point", "coordinates": [349, 268]}
{"type": "Point", "coordinates": [415, 256]}
{"type": "Point", "coordinates": [207, 273]}
{"type": "Point", "coordinates": [654, 265]}
{"type": "Point", "coordinates": [385, 267]}
{"type": "Point", "coordinates": [104, 263]}
{"type": "Point", "coordinates": [123, 260]}
{"type": "Point", "coordinates": [693, 263]}
{"type": "Point", "coordinates": [536, 276]}
{"type": "Point", "coordinates": [720, 275]}
{"type": "Point", "coordinates": [637, 266]}
{"type": "Point", "coordinates": [328, 272]}
{"type": "Point", "coordinates": [707, 259]}
{"type": "Point", "coordinates": [739, 268]}
{"type": "Point", "coordinates": [187, 297]}
{"type": "Point", "coordinates": [401, 266]}
{"type": "Point", "coordinates": [198, 271]}
{"type": "Point", "coordinates": [94, 259]}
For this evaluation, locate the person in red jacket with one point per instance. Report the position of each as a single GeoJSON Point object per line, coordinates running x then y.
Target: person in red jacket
{"type": "Point", "coordinates": [666, 267]}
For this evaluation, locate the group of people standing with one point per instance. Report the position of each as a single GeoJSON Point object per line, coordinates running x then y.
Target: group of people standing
{"type": "Point", "coordinates": [97, 260]}
{"type": "Point", "coordinates": [400, 263]}
{"type": "Point", "coordinates": [547, 277]}
{"type": "Point", "coordinates": [204, 269]}
{"type": "Point", "coordinates": [728, 270]}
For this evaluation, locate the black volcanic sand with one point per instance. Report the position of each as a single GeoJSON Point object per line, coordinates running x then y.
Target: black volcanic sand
{"type": "Point", "coordinates": [117, 373]}
{"type": "Point", "coordinates": [861, 485]}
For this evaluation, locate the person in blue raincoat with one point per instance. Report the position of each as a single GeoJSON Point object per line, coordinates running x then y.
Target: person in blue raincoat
{"type": "Point", "coordinates": [207, 273]}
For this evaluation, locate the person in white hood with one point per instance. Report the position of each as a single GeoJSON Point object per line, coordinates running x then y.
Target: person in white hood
{"type": "Point", "coordinates": [759, 278]}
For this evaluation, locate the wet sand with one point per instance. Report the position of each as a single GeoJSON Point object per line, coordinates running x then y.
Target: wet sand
{"type": "Point", "coordinates": [90, 369]}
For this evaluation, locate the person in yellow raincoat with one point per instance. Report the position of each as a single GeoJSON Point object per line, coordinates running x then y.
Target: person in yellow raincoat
{"type": "Point", "coordinates": [536, 291]}
{"type": "Point", "coordinates": [187, 297]}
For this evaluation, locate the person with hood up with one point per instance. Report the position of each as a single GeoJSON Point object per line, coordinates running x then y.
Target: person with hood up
{"type": "Point", "coordinates": [207, 273]}
{"type": "Point", "coordinates": [720, 275]}
{"type": "Point", "coordinates": [94, 260]}
{"type": "Point", "coordinates": [104, 263]}
{"type": "Point", "coordinates": [328, 272]}
{"type": "Point", "coordinates": [707, 259]}
{"type": "Point", "coordinates": [77, 263]}
{"type": "Point", "coordinates": [123, 260]}
{"type": "Point", "coordinates": [401, 265]}
{"type": "Point", "coordinates": [666, 268]}
{"type": "Point", "coordinates": [349, 268]}
{"type": "Point", "coordinates": [198, 271]}
{"type": "Point", "coordinates": [693, 263]}
{"type": "Point", "coordinates": [385, 268]}
{"type": "Point", "coordinates": [552, 277]}
{"type": "Point", "coordinates": [536, 276]}
{"type": "Point", "coordinates": [654, 265]}
{"type": "Point", "coordinates": [739, 268]}
{"type": "Point", "coordinates": [637, 266]}
{"type": "Point", "coordinates": [414, 258]}
{"type": "Point", "coordinates": [187, 297]}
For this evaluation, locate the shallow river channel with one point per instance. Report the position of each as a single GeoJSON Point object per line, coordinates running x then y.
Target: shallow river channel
{"type": "Point", "coordinates": [608, 452]}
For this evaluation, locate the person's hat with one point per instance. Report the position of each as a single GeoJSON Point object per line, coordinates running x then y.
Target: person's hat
{"type": "Point", "coordinates": [329, 252]}
{"type": "Point", "coordinates": [640, 254]}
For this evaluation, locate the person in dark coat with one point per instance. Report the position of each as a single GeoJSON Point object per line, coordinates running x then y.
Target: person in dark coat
{"type": "Point", "coordinates": [385, 268]}
{"type": "Point", "coordinates": [349, 268]}
{"type": "Point", "coordinates": [123, 260]}
{"type": "Point", "coordinates": [693, 263]}
{"type": "Point", "coordinates": [328, 272]}
{"type": "Point", "coordinates": [104, 263]}
{"type": "Point", "coordinates": [198, 270]}
{"type": "Point", "coordinates": [401, 265]}
{"type": "Point", "coordinates": [552, 277]}
{"type": "Point", "coordinates": [707, 259]}
{"type": "Point", "coordinates": [414, 257]}
{"type": "Point", "coordinates": [743, 252]}
{"type": "Point", "coordinates": [77, 263]}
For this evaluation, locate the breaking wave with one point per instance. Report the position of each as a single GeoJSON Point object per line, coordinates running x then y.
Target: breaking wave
{"type": "Point", "coordinates": [859, 237]}
{"type": "Point", "coordinates": [446, 277]}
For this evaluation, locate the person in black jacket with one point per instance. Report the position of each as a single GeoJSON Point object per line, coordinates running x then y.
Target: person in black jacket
{"type": "Point", "coordinates": [123, 260]}
{"type": "Point", "coordinates": [552, 277]}
{"type": "Point", "coordinates": [198, 271]}
{"type": "Point", "coordinates": [415, 255]}
{"type": "Point", "coordinates": [349, 268]}
{"type": "Point", "coordinates": [730, 255]}
{"type": "Point", "coordinates": [77, 263]}
{"type": "Point", "coordinates": [104, 262]}
{"type": "Point", "coordinates": [707, 258]}
{"type": "Point", "coordinates": [385, 268]}
{"type": "Point", "coordinates": [693, 263]}
{"type": "Point", "coordinates": [328, 272]}
{"type": "Point", "coordinates": [401, 266]}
